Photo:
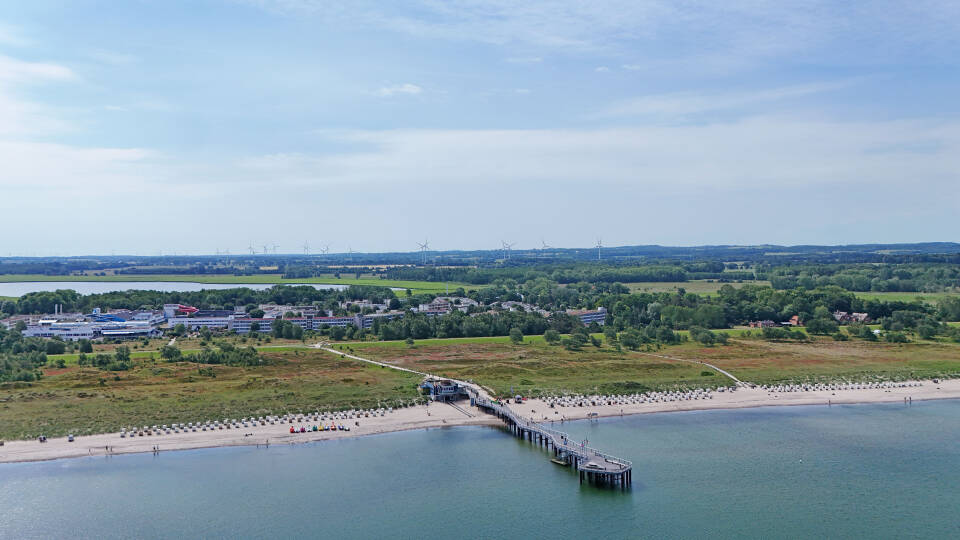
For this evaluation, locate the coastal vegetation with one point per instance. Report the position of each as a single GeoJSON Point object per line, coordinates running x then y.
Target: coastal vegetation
{"type": "Point", "coordinates": [89, 399]}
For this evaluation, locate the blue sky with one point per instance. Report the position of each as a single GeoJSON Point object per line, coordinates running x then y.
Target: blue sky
{"type": "Point", "coordinates": [165, 126]}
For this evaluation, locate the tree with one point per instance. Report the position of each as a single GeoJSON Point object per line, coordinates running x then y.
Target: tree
{"type": "Point", "coordinates": [122, 354]}
{"type": "Point", "coordinates": [256, 314]}
{"type": "Point", "coordinates": [516, 336]}
{"type": "Point", "coordinates": [170, 353]}
{"type": "Point", "coordinates": [85, 346]}
{"type": "Point", "coordinates": [631, 339]}
{"type": "Point", "coordinates": [551, 336]}
{"type": "Point", "coordinates": [55, 346]}
{"type": "Point", "coordinates": [610, 333]}
{"type": "Point", "coordinates": [822, 326]}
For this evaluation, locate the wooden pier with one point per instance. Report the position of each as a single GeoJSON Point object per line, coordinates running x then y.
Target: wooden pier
{"type": "Point", "coordinates": [591, 464]}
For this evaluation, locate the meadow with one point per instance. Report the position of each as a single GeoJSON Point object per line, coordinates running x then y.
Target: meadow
{"type": "Point", "coordinates": [85, 400]}
{"type": "Point", "coordinates": [535, 367]}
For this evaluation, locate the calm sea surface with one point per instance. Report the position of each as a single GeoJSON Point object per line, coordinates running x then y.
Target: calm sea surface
{"type": "Point", "coordinates": [98, 287]}
{"type": "Point", "coordinates": [859, 471]}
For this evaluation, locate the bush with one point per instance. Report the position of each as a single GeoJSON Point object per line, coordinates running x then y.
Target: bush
{"type": "Point", "coordinates": [895, 337]}
{"type": "Point", "coordinates": [551, 336]}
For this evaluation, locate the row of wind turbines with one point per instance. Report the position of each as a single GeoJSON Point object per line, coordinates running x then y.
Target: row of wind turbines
{"type": "Point", "coordinates": [424, 248]}
{"type": "Point", "coordinates": [506, 247]}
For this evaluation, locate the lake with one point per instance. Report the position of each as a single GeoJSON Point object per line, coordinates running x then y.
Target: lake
{"type": "Point", "coordinates": [855, 471]}
{"type": "Point", "coordinates": [97, 287]}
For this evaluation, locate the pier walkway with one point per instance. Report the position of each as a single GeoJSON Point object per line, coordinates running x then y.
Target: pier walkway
{"type": "Point", "coordinates": [591, 464]}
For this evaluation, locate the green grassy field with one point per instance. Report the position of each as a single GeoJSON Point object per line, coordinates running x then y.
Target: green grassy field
{"type": "Point", "coordinates": [696, 286]}
{"type": "Point", "coordinates": [534, 368]}
{"type": "Point", "coordinates": [823, 359]}
{"type": "Point", "coordinates": [259, 279]}
{"type": "Point", "coordinates": [87, 400]}
{"type": "Point", "coordinates": [905, 296]}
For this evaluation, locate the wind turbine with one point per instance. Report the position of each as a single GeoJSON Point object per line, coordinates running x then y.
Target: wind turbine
{"type": "Point", "coordinates": [252, 251]}
{"type": "Point", "coordinates": [506, 248]}
{"type": "Point", "coordinates": [306, 248]}
{"type": "Point", "coordinates": [423, 250]}
{"type": "Point", "coordinates": [325, 249]}
{"type": "Point", "coordinates": [264, 249]}
{"type": "Point", "coordinates": [599, 245]}
{"type": "Point", "coordinates": [275, 249]}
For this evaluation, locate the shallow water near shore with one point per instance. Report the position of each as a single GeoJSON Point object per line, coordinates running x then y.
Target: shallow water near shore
{"type": "Point", "coordinates": [852, 471]}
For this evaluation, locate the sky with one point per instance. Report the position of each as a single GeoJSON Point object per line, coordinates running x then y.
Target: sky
{"type": "Point", "coordinates": [203, 126]}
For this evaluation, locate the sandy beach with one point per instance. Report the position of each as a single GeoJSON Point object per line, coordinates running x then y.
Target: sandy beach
{"type": "Point", "coordinates": [439, 415]}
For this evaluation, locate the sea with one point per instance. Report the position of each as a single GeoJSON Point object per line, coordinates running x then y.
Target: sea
{"type": "Point", "coordinates": [847, 471]}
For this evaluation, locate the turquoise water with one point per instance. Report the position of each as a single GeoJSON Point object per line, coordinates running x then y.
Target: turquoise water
{"type": "Point", "coordinates": [859, 471]}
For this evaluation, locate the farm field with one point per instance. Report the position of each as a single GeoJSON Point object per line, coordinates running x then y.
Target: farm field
{"type": "Point", "coordinates": [415, 286]}
{"type": "Point", "coordinates": [704, 287]}
{"type": "Point", "coordinates": [87, 400]}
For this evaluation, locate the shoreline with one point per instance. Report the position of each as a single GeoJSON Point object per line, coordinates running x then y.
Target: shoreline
{"type": "Point", "coordinates": [442, 415]}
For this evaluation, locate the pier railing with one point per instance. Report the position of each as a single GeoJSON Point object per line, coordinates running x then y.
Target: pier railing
{"type": "Point", "coordinates": [559, 439]}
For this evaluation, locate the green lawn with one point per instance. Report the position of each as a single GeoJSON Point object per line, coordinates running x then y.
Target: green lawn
{"type": "Point", "coordinates": [416, 286]}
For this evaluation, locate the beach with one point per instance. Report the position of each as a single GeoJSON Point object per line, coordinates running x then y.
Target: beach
{"type": "Point", "coordinates": [438, 415]}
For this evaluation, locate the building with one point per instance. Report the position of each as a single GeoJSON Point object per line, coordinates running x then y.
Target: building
{"type": "Point", "coordinates": [196, 323]}
{"type": "Point", "coordinates": [366, 321]}
{"type": "Point", "coordinates": [794, 321]}
{"type": "Point", "coordinates": [67, 331]}
{"type": "Point", "coordinates": [444, 389]}
{"type": "Point", "coordinates": [446, 304]}
{"type": "Point", "coordinates": [588, 316]}
{"type": "Point", "coordinates": [767, 323]}
{"type": "Point", "coordinates": [342, 322]}
{"type": "Point", "coordinates": [244, 325]}
{"type": "Point", "coordinates": [843, 317]}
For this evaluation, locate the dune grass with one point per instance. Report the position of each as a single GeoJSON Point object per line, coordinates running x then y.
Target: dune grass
{"type": "Point", "coordinates": [84, 400]}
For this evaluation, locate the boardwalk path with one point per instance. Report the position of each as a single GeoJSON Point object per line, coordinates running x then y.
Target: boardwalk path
{"type": "Point", "coordinates": [590, 463]}
{"type": "Point", "coordinates": [701, 362]}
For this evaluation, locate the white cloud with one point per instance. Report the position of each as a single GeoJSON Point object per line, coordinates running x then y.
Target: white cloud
{"type": "Point", "coordinates": [689, 103]}
{"type": "Point", "coordinates": [18, 71]}
{"type": "Point", "coordinates": [524, 60]}
{"type": "Point", "coordinates": [771, 152]}
{"type": "Point", "coordinates": [736, 32]}
{"type": "Point", "coordinates": [112, 57]}
{"type": "Point", "coordinates": [632, 67]}
{"type": "Point", "coordinates": [406, 88]}
{"type": "Point", "coordinates": [601, 69]}
{"type": "Point", "coordinates": [522, 91]}
{"type": "Point", "coordinates": [10, 36]}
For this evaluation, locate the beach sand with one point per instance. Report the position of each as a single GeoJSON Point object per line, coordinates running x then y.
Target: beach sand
{"type": "Point", "coordinates": [441, 415]}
